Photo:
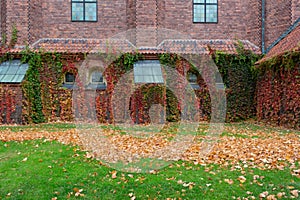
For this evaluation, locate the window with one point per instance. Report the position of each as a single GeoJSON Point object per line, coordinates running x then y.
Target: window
{"type": "Point", "coordinates": [69, 78]}
{"type": "Point", "coordinates": [192, 77]}
{"type": "Point", "coordinates": [205, 11]}
{"type": "Point", "coordinates": [148, 71]}
{"type": "Point", "coordinates": [12, 71]}
{"type": "Point", "coordinates": [97, 77]}
{"type": "Point", "coordinates": [97, 81]}
{"type": "Point", "coordinates": [84, 10]}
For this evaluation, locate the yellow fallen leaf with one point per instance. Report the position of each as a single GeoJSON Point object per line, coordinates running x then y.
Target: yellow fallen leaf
{"type": "Point", "coordinates": [114, 174]}
{"type": "Point", "coordinates": [271, 197]}
{"type": "Point", "coordinates": [242, 179]}
{"type": "Point", "coordinates": [229, 181]}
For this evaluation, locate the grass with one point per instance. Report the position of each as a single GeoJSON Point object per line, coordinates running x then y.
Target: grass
{"type": "Point", "coordinates": [44, 170]}
{"type": "Point", "coordinates": [50, 127]}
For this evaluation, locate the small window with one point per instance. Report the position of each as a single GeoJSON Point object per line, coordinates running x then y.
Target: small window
{"type": "Point", "coordinates": [97, 77]}
{"type": "Point", "coordinates": [84, 10]}
{"type": "Point", "coordinates": [205, 11]}
{"type": "Point", "coordinates": [69, 78]}
{"type": "Point", "coordinates": [192, 77]}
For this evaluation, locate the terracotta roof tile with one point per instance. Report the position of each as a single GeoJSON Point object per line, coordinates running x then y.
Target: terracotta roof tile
{"type": "Point", "coordinates": [172, 46]}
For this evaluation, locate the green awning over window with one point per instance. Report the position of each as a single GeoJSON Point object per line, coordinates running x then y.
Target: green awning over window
{"type": "Point", "coordinates": [12, 71]}
{"type": "Point", "coordinates": [148, 71]}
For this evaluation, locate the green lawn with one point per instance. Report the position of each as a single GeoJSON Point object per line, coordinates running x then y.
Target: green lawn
{"type": "Point", "coordinates": [42, 169]}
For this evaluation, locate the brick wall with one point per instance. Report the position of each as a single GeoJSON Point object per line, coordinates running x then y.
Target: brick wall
{"type": "Point", "coordinates": [36, 21]}
{"type": "Point", "coordinates": [131, 20]}
{"type": "Point", "coordinates": [2, 18]}
{"type": "Point", "coordinates": [295, 10]}
{"type": "Point", "coordinates": [1, 13]}
{"type": "Point", "coordinates": [17, 14]}
{"type": "Point", "coordinates": [253, 21]}
{"type": "Point", "coordinates": [278, 19]}
{"type": "Point", "coordinates": [57, 20]}
{"type": "Point", "coordinates": [235, 18]}
{"type": "Point", "coordinates": [10, 103]}
{"type": "Point", "coordinates": [146, 23]}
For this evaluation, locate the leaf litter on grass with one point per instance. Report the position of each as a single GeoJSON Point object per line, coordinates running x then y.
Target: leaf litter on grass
{"type": "Point", "coordinates": [242, 148]}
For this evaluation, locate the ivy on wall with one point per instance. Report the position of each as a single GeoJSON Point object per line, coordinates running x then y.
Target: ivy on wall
{"type": "Point", "coordinates": [239, 76]}
{"type": "Point", "coordinates": [45, 100]}
{"type": "Point", "coordinates": [7, 104]}
{"type": "Point", "coordinates": [33, 107]}
{"type": "Point", "coordinates": [278, 90]}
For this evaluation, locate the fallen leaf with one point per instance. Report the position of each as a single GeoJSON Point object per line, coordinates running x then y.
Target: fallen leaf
{"type": "Point", "coordinates": [114, 174]}
{"type": "Point", "coordinates": [271, 197]}
{"type": "Point", "coordinates": [295, 193]}
{"type": "Point", "coordinates": [263, 194]}
{"type": "Point", "coordinates": [280, 195]}
{"type": "Point", "coordinates": [242, 179]}
{"type": "Point", "coordinates": [229, 181]}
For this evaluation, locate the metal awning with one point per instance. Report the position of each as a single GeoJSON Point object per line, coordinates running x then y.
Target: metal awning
{"type": "Point", "coordinates": [12, 71]}
{"type": "Point", "coordinates": [148, 71]}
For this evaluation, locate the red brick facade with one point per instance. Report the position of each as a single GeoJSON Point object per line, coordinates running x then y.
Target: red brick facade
{"type": "Point", "coordinates": [37, 19]}
{"type": "Point", "coordinates": [295, 10]}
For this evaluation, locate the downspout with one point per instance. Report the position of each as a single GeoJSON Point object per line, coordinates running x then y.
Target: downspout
{"type": "Point", "coordinates": [263, 31]}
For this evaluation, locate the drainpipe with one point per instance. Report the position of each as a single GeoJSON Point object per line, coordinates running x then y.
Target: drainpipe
{"type": "Point", "coordinates": [263, 19]}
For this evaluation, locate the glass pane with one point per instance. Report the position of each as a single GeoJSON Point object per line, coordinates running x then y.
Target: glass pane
{"type": "Point", "coordinates": [70, 78]}
{"type": "Point", "coordinates": [77, 11]}
{"type": "Point", "coordinates": [7, 78]}
{"type": "Point", "coordinates": [91, 11]}
{"type": "Point", "coordinates": [12, 70]}
{"type": "Point", "coordinates": [22, 69]}
{"type": "Point", "coordinates": [199, 13]}
{"type": "Point", "coordinates": [77, 0]}
{"type": "Point", "coordinates": [211, 1]}
{"type": "Point", "coordinates": [90, 1]}
{"type": "Point", "coordinates": [198, 1]}
{"type": "Point", "coordinates": [211, 13]}
{"type": "Point", "coordinates": [192, 78]}
{"type": "Point", "coordinates": [3, 69]}
{"type": "Point", "coordinates": [97, 77]}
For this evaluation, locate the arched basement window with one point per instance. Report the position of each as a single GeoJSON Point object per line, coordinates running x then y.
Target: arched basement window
{"type": "Point", "coordinates": [97, 78]}
{"type": "Point", "coordinates": [69, 78]}
{"type": "Point", "coordinates": [192, 78]}
{"type": "Point", "coordinates": [97, 81]}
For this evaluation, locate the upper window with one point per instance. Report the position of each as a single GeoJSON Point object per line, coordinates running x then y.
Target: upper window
{"type": "Point", "coordinates": [205, 11]}
{"type": "Point", "coordinates": [84, 10]}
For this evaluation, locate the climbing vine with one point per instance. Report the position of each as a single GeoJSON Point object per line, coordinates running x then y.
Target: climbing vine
{"type": "Point", "coordinates": [278, 90]}
{"type": "Point", "coordinates": [33, 107]}
{"type": "Point", "coordinates": [45, 98]}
